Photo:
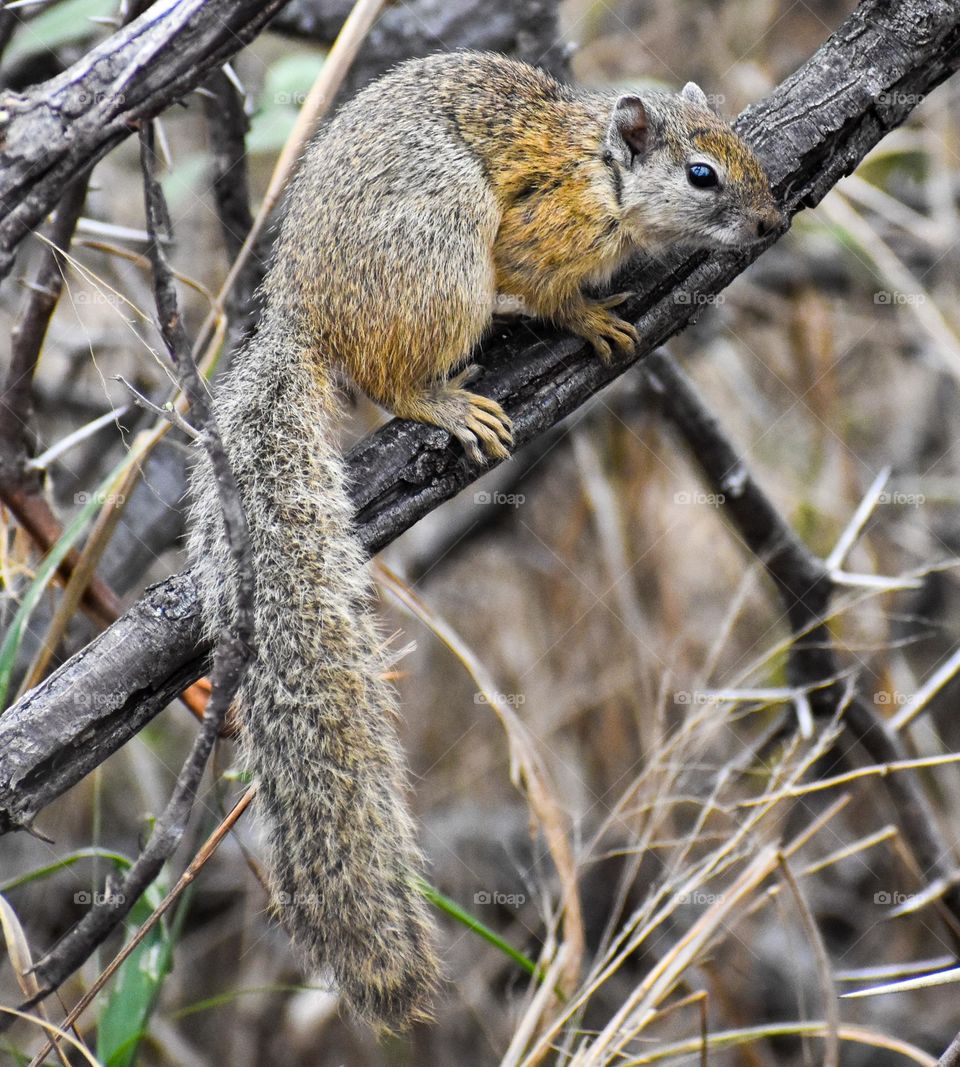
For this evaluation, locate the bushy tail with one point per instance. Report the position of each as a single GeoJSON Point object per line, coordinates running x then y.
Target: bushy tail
{"type": "Point", "coordinates": [317, 718]}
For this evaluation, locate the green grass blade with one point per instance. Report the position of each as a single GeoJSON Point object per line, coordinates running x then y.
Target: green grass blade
{"type": "Point", "coordinates": [453, 909]}
{"type": "Point", "coordinates": [136, 987]}
{"type": "Point", "coordinates": [118, 859]}
{"type": "Point", "coordinates": [230, 996]}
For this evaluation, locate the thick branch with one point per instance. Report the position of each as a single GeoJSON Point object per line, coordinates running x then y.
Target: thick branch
{"type": "Point", "coordinates": [57, 130]}
{"type": "Point", "coordinates": [810, 132]}
{"type": "Point", "coordinates": [525, 28]}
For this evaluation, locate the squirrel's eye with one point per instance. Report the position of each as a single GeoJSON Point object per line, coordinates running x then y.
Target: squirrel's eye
{"type": "Point", "coordinates": [702, 176]}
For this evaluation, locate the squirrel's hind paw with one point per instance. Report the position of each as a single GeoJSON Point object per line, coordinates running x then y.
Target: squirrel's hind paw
{"type": "Point", "coordinates": [485, 421]}
{"type": "Point", "coordinates": [477, 422]}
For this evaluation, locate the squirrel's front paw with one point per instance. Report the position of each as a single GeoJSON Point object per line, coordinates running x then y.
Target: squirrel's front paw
{"type": "Point", "coordinates": [593, 321]}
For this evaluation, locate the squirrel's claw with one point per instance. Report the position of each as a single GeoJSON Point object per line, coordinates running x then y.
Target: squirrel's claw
{"type": "Point", "coordinates": [593, 321]}
{"type": "Point", "coordinates": [481, 421]}
{"type": "Point", "coordinates": [616, 299]}
{"type": "Point", "coordinates": [621, 333]}
{"type": "Point", "coordinates": [488, 421]}
{"type": "Point", "coordinates": [477, 422]}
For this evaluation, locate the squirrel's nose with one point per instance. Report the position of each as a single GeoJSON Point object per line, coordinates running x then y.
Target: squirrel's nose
{"type": "Point", "coordinates": [768, 223]}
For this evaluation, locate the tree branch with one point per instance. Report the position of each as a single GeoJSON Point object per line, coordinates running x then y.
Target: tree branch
{"type": "Point", "coordinates": [951, 1058]}
{"type": "Point", "coordinates": [811, 131]}
{"type": "Point", "coordinates": [60, 128]}
{"type": "Point", "coordinates": [525, 28]}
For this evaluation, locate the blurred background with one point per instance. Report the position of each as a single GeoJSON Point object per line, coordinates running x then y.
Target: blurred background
{"type": "Point", "coordinates": [593, 578]}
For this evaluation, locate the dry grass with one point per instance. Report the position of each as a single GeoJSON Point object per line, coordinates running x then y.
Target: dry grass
{"type": "Point", "coordinates": [689, 895]}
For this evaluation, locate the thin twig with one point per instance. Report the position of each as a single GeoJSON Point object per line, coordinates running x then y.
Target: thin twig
{"type": "Point", "coordinates": [168, 412]}
{"type": "Point", "coordinates": [193, 868]}
{"type": "Point", "coordinates": [234, 649]}
{"type": "Point", "coordinates": [58, 448]}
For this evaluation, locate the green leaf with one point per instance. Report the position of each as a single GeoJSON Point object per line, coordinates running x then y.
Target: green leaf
{"type": "Point", "coordinates": [284, 90]}
{"type": "Point", "coordinates": [136, 987]}
{"type": "Point", "coordinates": [58, 25]}
{"type": "Point", "coordinates": [17, 1057]}
{"type": "Point", "coordinates": [269, 130]}
{"type": "Point", "coordinates": [48, 566]}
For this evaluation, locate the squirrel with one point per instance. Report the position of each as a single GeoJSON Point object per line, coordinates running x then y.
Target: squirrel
{"type": "Point", "coordinates": [447, 185]}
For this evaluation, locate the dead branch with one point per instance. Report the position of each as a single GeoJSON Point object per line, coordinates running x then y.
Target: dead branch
{"type": "Point", "coordinates": [234, 648]}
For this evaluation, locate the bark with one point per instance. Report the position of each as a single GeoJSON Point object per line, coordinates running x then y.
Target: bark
{"type": "Point", "coordinates": [57, 130]}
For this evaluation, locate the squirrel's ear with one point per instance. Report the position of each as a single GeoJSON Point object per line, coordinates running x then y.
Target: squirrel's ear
{"type": "Point", "coordinates": [692, 92]}
{"type": "Point", "coordinates": [629, 130]}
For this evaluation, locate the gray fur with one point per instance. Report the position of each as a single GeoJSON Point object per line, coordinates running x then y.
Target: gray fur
{"type": "Point", "coordinates": [317, 720]}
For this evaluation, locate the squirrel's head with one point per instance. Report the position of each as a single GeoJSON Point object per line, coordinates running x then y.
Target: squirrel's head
{"type": "Point", "coordinates": [685, 177]}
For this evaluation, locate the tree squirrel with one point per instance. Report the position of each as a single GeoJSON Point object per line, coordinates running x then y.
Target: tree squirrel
{"type": "Point", "coordinates": [448, 182]}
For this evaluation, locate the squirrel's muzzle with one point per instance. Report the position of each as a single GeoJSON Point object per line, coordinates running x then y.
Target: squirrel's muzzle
{"type": "Point", "coordinates": [770, 221]}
